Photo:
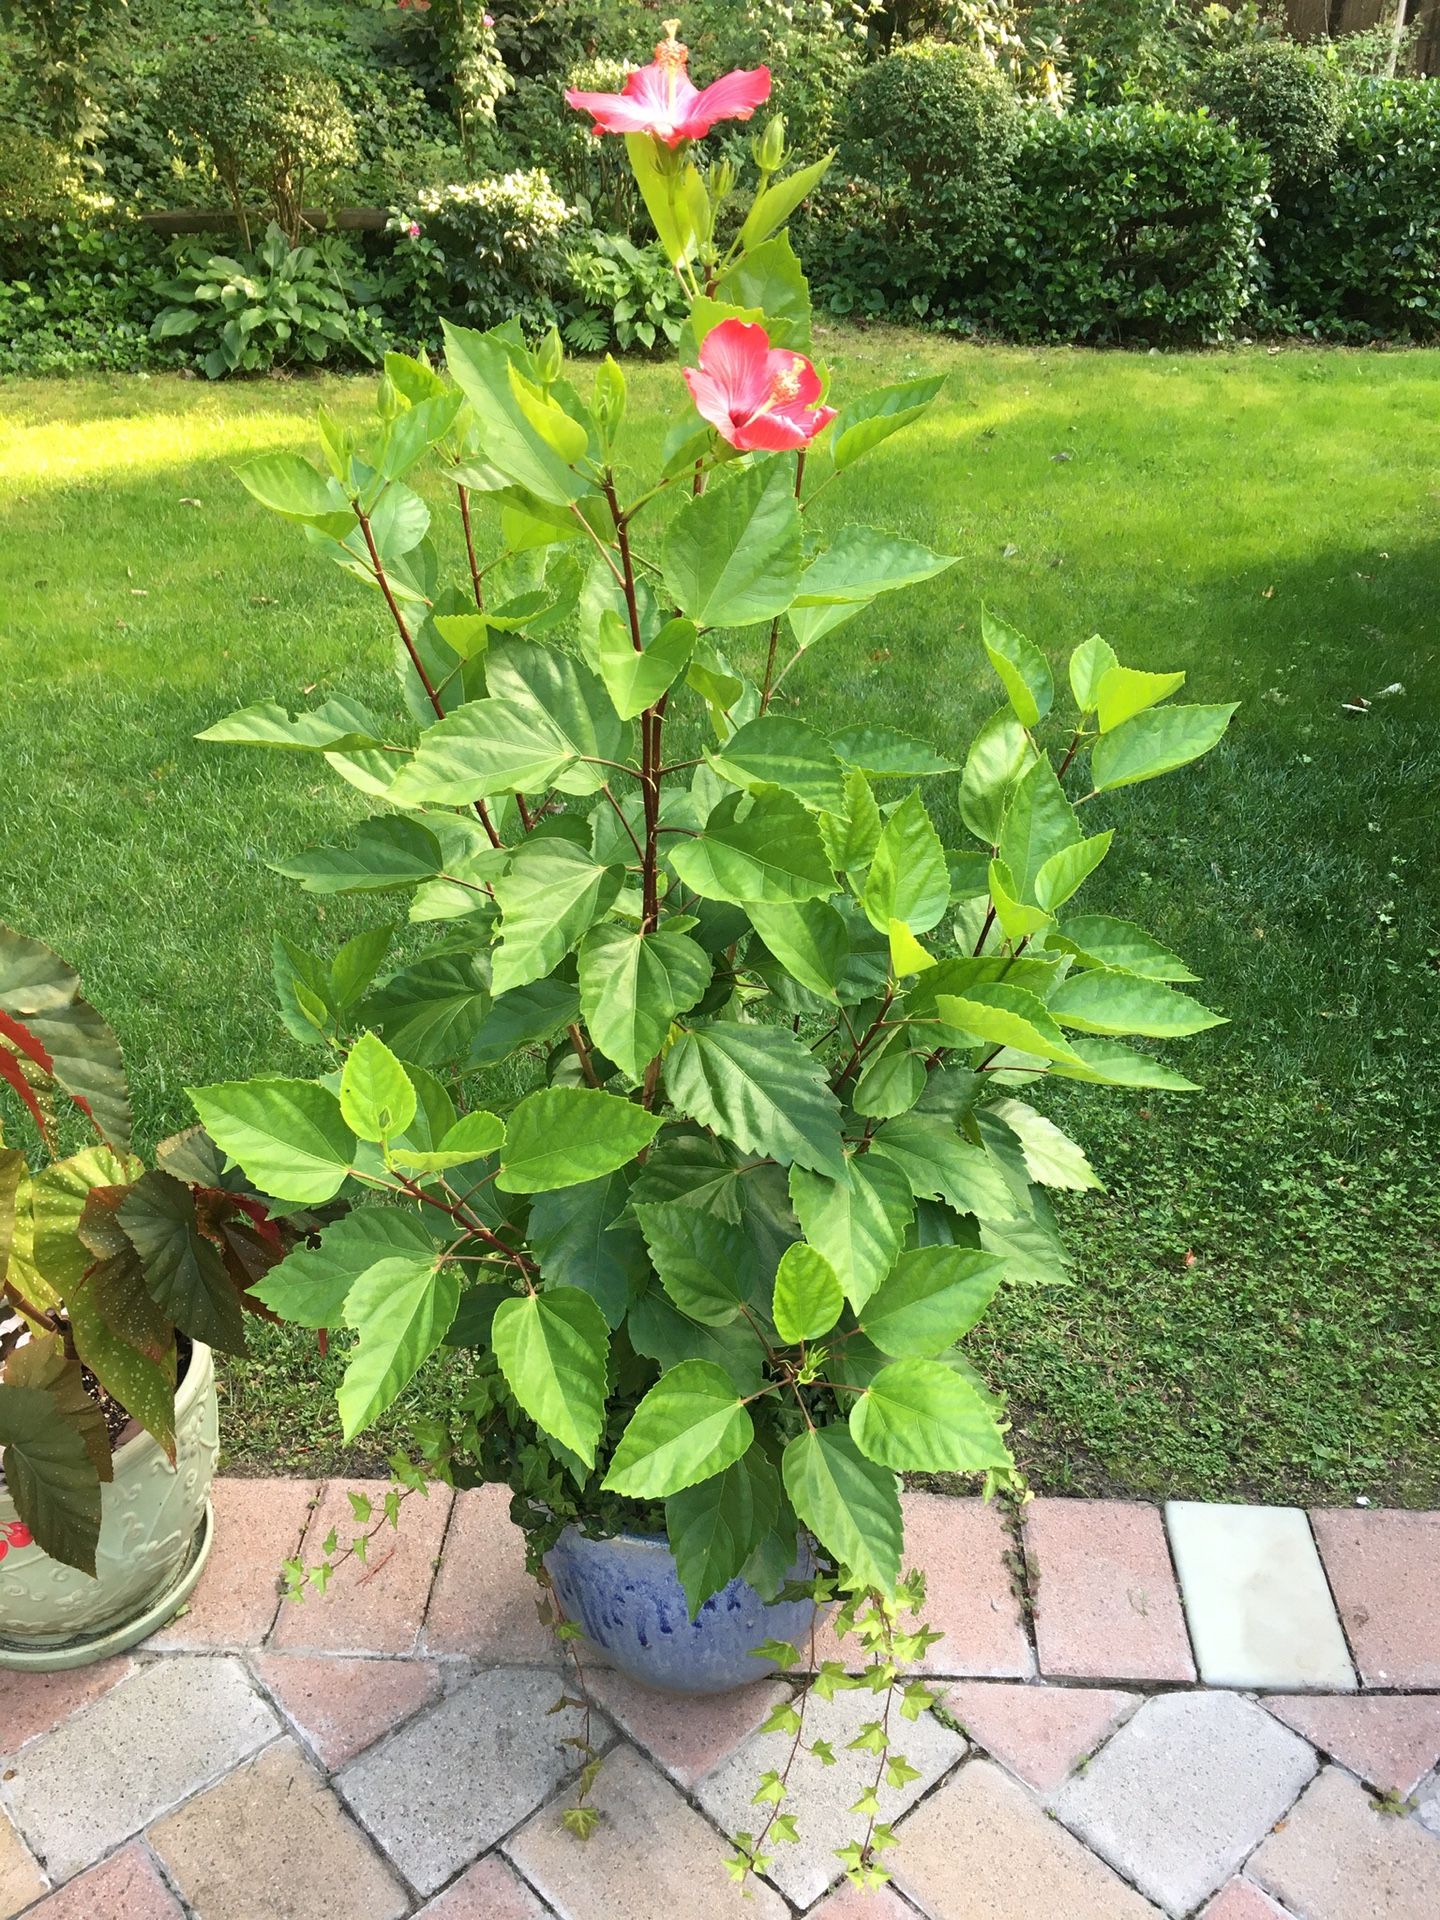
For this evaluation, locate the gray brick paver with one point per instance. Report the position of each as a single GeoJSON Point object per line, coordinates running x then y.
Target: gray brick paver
{"type": "Point", "coordinates": [651, 1858]}
{"type": "Point", "coordinates": [820, 1796]}
{"type": "Point", "coordinates": [1184, 1790]}
{"type": "Point", "coordinates": [452, 1781]}
{"type": "Point", "coordinates": [173, 1727]}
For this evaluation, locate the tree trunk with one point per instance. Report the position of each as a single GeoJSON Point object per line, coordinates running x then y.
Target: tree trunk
{"type": "Point", "coordinates": [1397, 38]}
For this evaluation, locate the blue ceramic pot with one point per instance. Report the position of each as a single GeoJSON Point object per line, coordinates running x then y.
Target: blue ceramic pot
{"type": "Point", "coordinates": [627, 1596]}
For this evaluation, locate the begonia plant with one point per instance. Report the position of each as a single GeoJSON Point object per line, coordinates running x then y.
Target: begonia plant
{"type": "Point", "coordinates": [103, 1260]}
{"type": "Point", "coordinates": [708, 1113]}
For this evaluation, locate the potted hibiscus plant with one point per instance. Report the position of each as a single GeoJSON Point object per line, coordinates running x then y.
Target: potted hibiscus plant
{"type": "Point", "coordinates": [703, 1116]}
{"type": "Point", "coordinates": [116, 1281]}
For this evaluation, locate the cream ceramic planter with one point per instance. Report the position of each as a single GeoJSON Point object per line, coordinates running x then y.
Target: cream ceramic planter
{"type": "Point", "coordinates": [154, 1538]}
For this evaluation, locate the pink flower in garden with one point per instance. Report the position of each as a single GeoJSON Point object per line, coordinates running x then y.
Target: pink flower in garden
{"type": "Point", "coordinates": [413, 229]}
{"type": "Point", "coordinates": [758, 397]}
{"type": "Point", "coordinates": [661, 98]}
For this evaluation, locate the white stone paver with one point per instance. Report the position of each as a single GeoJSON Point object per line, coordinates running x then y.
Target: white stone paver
{"type": "Point", "coordinates": [170, 1729]}
{"type": "Point", "coordinates": [1183, 1792]}
{"type": "Point", "coordinates": [451, 1782]}
{"type": "Point", "coordinates": [1256, 1598]}
{"type": "Point", "coordinates": [821, 1796]}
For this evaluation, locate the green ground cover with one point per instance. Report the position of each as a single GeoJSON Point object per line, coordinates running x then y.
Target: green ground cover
{"type": "Point", "coordinates": [1254, 1306]}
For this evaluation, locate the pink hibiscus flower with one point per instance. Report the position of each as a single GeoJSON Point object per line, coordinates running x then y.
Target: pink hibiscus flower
{"type": "Point", "coordinates": [758, 397]}
{"type": "Point", "coordinates": [662, 99]}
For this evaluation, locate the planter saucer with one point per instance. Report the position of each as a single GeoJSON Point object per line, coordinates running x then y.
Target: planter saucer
{"type": "Point", "coordinates": [22, 1658]}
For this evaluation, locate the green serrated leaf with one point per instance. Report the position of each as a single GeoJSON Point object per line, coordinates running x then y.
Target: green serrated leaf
{"type": "Point", "coordinates": [563, 1135]}
{"type": "Point", "coordinates": [401, 1308]}
{"type": "Point", "coordinates": [933, 1297]}
{"type": "Point", "coordinates": [289, 1136]}
{"type": "Point", "coordinates": [808, 1298]}
{"type": "Point", "coordinates": [760, 1087]}
{"type": "Point", "coordinates": [377, 1099]}
{"type": "Point", "coordinates": [849, 1503]}
{"type": "Point", "coordinates": [553, 1349]}
{"type": "Point", "coordinates": [922, 1416]}
{"type": "Point", "coordinates": [689, 1426]}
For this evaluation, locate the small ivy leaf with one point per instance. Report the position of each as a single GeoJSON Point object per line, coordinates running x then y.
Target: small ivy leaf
{"type": "Point", "coordinates": [581, 1821]}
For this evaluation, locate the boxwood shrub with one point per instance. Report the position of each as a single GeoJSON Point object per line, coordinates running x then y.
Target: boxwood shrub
{"type": "Point", "coordinates": [1127, 224]}
{"type": "Point", "coordinates": [1355, 254]}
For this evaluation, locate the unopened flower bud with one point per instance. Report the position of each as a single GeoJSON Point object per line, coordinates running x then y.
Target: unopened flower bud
{"type": "Point", "coordinates": [550, 358]}
{"type": "Point", "coordinates": [608, 402]}
{"type": "Point", "coordinates": [769, 147]}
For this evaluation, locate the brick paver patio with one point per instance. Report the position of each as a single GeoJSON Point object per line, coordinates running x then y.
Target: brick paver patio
{"type": "Point", "coordinates": [386, 1751]}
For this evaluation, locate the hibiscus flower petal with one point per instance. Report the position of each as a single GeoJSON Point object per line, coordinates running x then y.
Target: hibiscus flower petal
{"type": "Point", "coordinates": [791, 375]}
{"type": "Point", "coordinates": [734, 96]}
{"type": "Point", "coordinates": [614, 112]}
{"type": "Point", "coordinates": [712, 402]}
{"type": "Point", "coordinates": [772, 433]}
{"type": "Point", "coordinates": [736, 355]}
{"type": "Point", "coordinates": [783, 428]}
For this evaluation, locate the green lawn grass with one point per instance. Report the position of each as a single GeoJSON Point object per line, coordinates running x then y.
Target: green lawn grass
{"type": "Point", "coordinates": [1254, 1307]}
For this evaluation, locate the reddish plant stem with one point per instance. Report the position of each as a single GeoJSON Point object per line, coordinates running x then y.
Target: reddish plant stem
{"type": "Point", "coordinates": [870, 1032]}
{"type": "Point", "coordinates": [464, 493]}
{"type": "Point", "coordinates": [582, 1054]}
{"type": "Point", "coordinates": [404, 632]}
{"type": "Point", "coordinates": [650, 724]}
{"type": "Point", "coordinates": [470, 1223]}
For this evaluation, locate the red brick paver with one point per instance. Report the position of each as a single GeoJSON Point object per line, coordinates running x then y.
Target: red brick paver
{"type": "Point", "coordinates": [127, 1886]}
{"type": "Point", "coordinates": [1384, 1570]}
{"type": "Point", "coordinates": [258, 1526]}
{"type": "Point", "coordinates": [1242, 1901]}
{"type": "Point", "coordinates": [962, 1546]}
{"type": "Point", "coordinates": [1392, 1742]}
{"type": "Point", "coordinates": [32, 1703]}
{"type": "Point", "coordinates": [489, 1890]}
{"type": "Point", "coordinates": [484, 1601]}
{"type": "Point", "coordinates": [1039, 1733]}
{"type": "Point", "coordinates": [374, 1606]}
{"type": "Point", "coordinates": [688, 1735]}
{"type": "Point", "coordinates": [1106, 1603]}
{"type": "Point", "coordinates": [850, 1904]}
{"type": "Point", "coordinates": [343, 1706]}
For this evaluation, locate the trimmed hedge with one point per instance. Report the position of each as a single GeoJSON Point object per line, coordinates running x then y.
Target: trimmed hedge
{"type": "Point", "coordinates": [1130, 223]}
{"type": "Point", "coordinates": [1356, 255]}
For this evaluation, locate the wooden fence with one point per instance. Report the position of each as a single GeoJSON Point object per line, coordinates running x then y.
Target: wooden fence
{"type": "Point", "coordinates": [1308, 19]}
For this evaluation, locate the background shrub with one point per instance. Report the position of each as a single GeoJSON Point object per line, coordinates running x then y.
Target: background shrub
{"type": "Point", "coordinates": [625, 296]}
{"type": "Point", "coordinates": [78, 296]}
{"type": "Point", "coordinates": [1127, 224]}
{"type": "Point", "coordinates": [1355, 254]}
{"type": "Point", "coordinates": [269, 120]}
{"type": "Point", "coordinates": [932, 129]}
{"type": "Point", "coordinates": [486, 251]}
{"type": "Point", "coordinates": [280, 306]}
{"type": "Point", "coordinates": [1287, 98]}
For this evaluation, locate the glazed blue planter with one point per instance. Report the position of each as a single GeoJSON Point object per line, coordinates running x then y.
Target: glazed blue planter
{"type": "Point", "coordinates": [627, 1596]}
